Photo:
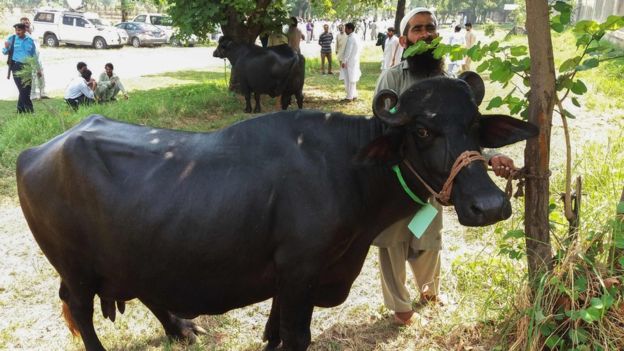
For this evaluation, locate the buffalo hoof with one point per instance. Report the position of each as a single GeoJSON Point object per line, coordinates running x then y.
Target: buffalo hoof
{"type": "Point", "coordinates": [273, 346]}
{"type": "Point", "coordinates": [257, 110]}
{"type": "Point", "coordinates": [248, 110]}
{"type": "Point", "coordinates": [187, 331]}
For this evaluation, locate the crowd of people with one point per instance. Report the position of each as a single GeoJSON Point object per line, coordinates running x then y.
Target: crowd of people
{"type": "Point", "coordinates": [81, 90]}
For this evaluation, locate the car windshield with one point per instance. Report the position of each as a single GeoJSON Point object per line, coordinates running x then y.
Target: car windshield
{"type": "Point", "coordinates": [162, 20]}
{"type": "Point", "coordinates": [97, 22]}
{"type": "Point", "coordinates": [149, 27]}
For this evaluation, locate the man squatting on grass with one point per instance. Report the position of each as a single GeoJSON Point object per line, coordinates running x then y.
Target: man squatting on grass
{"type": "Point", "coordinates": [22, 47]}
{"type": "Point", "coordinates": [396, 243]}
{"type": "Point", "coordinates": [79, 92]}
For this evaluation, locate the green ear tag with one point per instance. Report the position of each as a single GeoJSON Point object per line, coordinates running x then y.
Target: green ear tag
{"type": "Point", "coordinates": [422, 219]}
{"type": "Point", "coordinates": [393, 110]}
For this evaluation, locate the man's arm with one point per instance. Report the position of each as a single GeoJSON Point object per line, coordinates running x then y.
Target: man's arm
{"type": "Point", "coordinates": [87, 91]}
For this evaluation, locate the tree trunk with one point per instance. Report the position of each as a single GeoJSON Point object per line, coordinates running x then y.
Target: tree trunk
{"type": "Point", "coordinates": [400, 12]}
{"type": "Point", "coordinates": [124, 10]}
{"type": "Point", "coordinates": [240, 32]}
{"type": "Point", "coordinates": [536, 154]}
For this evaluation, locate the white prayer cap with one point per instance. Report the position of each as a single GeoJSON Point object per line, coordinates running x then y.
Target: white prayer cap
{"type": "Point", "coordinates": [412, 13]}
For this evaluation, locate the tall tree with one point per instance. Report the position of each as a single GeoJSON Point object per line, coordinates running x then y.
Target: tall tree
{"type": "Point", "coordinates": [400, 12]}
{"type": "Point", "coordinates": [242, 20]}
{"type": "Point", "coordinates": [537, 152]}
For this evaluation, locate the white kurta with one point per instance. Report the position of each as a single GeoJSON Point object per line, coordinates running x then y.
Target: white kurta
{"type": "Point", "coordinates": [392, 52]}
{"type": "Point", "coordinates": [351, 59]}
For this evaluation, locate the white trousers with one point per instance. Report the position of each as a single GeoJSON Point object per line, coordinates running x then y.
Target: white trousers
{"type": "Point", "coordinates": [37, 86]}
{"type": "Point", "coordinates": [350, 87]}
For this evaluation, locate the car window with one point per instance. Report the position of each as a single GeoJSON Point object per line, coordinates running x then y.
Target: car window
{"type": "Point", "coordinates": [44, 17]}
{"type": "Point", "coordinates": [130, 26]}
{"type": "Point", "coordinates": [81, 22]}
{"type": "Point", "coordinates": [140, 18]}
{"type": "Point", "coordinates": [161, 20]}
{"type": "Point", "coordinates": [69, 21]}
{"type": "Point", "coordinates": [121, 25]}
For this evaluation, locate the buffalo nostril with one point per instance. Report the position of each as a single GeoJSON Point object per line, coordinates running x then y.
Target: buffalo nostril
{"type": "Point", "coordinates": [476, 210]}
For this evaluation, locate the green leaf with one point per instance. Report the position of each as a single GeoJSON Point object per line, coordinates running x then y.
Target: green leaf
{"type": "Point", "coordinates": [580, 284]}
{"type": "Point", "coordinates": [517, 233]}
{"type": "Point", "coordinates": [588, 64]}
{"type": "Point", "coordinates": [518, 50]}
{"type": "Point", "coordinates": [597, 303]}
{"type": "Point", "coordinates": [579, 87]}
{"type": "Point", "coordinates": [586, 26]}
{"type": "Point", "coordinates": [575, 102]}
{"type": "Point", "coordinates": [482, 67]}
{"type": "Point", "coordinates": [554, 342]}
{"type": "Point", "coordinates": [562, 6]}
{"type": "Point", "coordinates": [569, 64]}
{"type": "Point", "coordinates": [568, 114]}
{"type": "Point", "coordinates": [493, 46]}
{"type": "Point", "coordinates": [583, 39]}
{"type": "Point", "coordinates": [591, 314]}
{"type": "Point", "coordinates": [557, 27]}
{"type": "Point", "coordinates": [613, 23]}
{"type": "Point", "coordinates": [495, 102]}
{"type": "Point", "coordinates": [565, 17]}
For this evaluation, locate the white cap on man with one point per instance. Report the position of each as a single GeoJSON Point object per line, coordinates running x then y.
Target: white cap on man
{"type": "Point", "coordinates": [412, 13]}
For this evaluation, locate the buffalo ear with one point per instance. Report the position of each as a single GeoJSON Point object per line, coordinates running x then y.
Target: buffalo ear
{"type": "Point", "coordinates": [386, 107]}
{"type": "Point", "coordinates": [385, 149]}
{"type": "Point", "coordinates": [476, 85]}
{"type": "Point", "coordinates": [500, 130]}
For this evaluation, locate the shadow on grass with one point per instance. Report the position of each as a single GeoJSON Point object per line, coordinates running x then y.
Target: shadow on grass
{"type": "Point", "coordinates": [195, 76]}
{"type": "Point", "coordinates": [344, 336]}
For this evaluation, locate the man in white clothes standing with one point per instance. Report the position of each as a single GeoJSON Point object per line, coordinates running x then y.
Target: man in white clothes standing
{"type": "Point", "coordinates": [393, 50]}
{"type": "Point", "coordinates": [470, 39]}
{"type": "Point", "coordinates": [341, 43]}
{"type": "Point", "coordinates": [350, 65]}
{"type": "Point", "coordinates": [456, 39]}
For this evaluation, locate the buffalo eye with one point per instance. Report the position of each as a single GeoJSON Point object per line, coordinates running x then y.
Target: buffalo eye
{"type": "Point", "coordinates": [422, 132]}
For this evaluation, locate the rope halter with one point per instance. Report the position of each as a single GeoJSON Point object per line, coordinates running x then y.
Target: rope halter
{"type": "Point", "coordinates": [443, 197]}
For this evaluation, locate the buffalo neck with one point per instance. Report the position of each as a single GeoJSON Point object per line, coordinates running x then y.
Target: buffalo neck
{"type": "Point", "coordinates": [381, 190]}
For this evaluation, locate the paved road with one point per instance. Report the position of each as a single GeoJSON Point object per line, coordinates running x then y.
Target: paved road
{"type": "Point", "coordinates": [60, 64]}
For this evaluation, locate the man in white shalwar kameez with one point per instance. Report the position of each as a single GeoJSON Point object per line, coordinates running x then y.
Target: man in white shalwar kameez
{"type": "Point", "coordinates": [393, 50]}
{"type": "Point", "coordinates": [350, 66]}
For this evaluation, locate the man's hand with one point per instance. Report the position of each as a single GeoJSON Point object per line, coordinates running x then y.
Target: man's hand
{"type": "Point", "coordinates": [125, 96]}
{"type": "Point", "coordinates": [502, 165]}
{"type": "Point", "coordinates": [343, 65]}
{"type": "Point", "coordinates": [39, 74]}
{"type": "Point", "coordinates": [7, 44]}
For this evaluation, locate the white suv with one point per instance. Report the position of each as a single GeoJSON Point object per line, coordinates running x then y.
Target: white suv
{"type": "Point", "coordinates": [77, 28]}
{"type": "Point", "coordinates": [165, 23]}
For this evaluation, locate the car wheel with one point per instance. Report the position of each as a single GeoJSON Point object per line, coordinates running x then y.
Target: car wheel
{"type": "Point", "coordinates": [136, 42]}
{"type": "Point", "coordinates": [99, 43]}
{"type": "Point", "coordinates": [50, 40]}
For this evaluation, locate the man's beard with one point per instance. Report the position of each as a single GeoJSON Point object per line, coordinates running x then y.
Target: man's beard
{"type": "Point", "coordinates": [425, 64]}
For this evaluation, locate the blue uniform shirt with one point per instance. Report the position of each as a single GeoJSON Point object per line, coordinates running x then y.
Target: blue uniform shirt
{"type": "Point", "coordinates": [24, 48]}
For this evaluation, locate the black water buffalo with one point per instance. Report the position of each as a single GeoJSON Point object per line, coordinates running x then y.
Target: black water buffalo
{"type": "Point", "coordinates": [282, 206]}
{"type": "Point", "coordinates": [275, 71]}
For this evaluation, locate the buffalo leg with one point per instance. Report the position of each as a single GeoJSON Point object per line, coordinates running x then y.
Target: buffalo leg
{"type": "Point", "coordinates": [257, 98]}
{"type": "Point", "coordinates": [248, 102]}
{"type": "Point", "coordinates": [299, 97]}
{"type": "Point", "coordinates": [286, 101]}
{"type": "Point", "coordinates": [175, 327]}
{"type": "Point", "coordinates": [272, 328]}
{"type": "Point", "coordinates": [295, 294]}
{"type": "Point", "coordinates": [80, 302]}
